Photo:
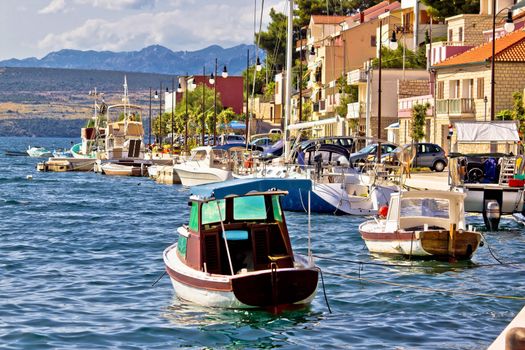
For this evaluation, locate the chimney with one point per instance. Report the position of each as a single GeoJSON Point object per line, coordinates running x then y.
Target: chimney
{"type": "Point", "coordinates": [361, 17]}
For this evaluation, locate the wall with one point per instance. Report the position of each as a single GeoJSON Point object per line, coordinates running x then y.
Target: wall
{"type": "Point", "coordinates": [411, 88]}
{"type": "Point", "coordinates": [229, 89]}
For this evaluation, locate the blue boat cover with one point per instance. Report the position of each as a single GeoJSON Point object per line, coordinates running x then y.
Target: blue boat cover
{"type": "Point", "coordinates": [241, 187]}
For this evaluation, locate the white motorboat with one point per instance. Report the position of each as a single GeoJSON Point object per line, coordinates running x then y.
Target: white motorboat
{"type": "Point", "coordinates": [422, 224]}
{"type": "Point", "coordinates": [39, 152]}
{"type": "Point", "coordinates": [209, 164]}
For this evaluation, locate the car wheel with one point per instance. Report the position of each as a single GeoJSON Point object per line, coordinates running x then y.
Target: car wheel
{"type": "Point", "coordinates": [439, 166]}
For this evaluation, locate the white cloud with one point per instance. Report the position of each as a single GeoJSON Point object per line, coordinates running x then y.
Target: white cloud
{"type": "Point", "coordinates": [189, 25]}
{"type": "Point", "coordinates": [120, 4]}
{"type": "Point", "coordinates": [54, 6]}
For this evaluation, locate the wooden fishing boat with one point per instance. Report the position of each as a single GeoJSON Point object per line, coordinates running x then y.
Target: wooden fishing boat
{"type": "Point", "coordinates": [422, 224]}
{"type": "Point", "coordinates": [236, 252]}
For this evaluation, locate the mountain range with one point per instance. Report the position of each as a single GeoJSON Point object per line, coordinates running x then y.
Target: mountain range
{"type": "Point", "coordinates": [152, 59]}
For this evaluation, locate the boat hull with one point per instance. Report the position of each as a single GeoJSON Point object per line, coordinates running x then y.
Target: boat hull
{"type": "Point", "coordinates": [193, 176]}
{"type": "Point", "coordinates": [510, 198]}
{"type": "Point", "coordinates": [121, 170]}
{"type": "Point", "coordinates": [256, 289]}
{"type": "Point", "coordinates": [431, 244]}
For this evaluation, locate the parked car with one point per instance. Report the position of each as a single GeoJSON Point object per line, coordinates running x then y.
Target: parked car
{"type": "Point", "coordinates": [264, 142]}
{"type": "Point", "coordinates": [427, 155]}
{"type": "Point", "coordinates": [275, 131]}
{"type": "Point", "coordinates": [343, 141]}
{"type": "Point", "coordinates": [228, 139]}
{"type": "Point", "coordinates": [369, 153]}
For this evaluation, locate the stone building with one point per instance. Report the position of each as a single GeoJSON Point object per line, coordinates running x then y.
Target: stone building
{"type": "Point", "coordinates": [463, 81]}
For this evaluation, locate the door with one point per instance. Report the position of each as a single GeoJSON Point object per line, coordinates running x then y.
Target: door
{"type": "Point", "coordinates": [428, 154]}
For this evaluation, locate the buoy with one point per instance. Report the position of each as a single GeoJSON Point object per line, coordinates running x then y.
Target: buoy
{"type": "Point", "coordinates": [383, 211]}
{"type": "Point", "coordinates": [29, 177]}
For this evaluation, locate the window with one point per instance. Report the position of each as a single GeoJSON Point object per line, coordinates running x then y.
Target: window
{"type": "Point", "coordinates": [249, 208]}
{"type": "Point", "coordinates": [453, 89]}
{"type": "Point", "coordinates": [181, 245]}
{"type": "Point", "coordinates": [210, 211]}
{"type": "Point", "coordinates": [194, 217]}
{"type": "Point", "coordinates": [277, 213]}
{"type": "Point", "coordinates": [450, 35]}
{"type": "Point", "coordinates": [440, 90]}
{"type": "Point", "coordinates": [432, 207]}
{"type": "Point", "coordinates": [373, 41]}
{"type": "Point", "coordinates": [481, 88]}
{"type": "Point", "coordinates": [460, 34]}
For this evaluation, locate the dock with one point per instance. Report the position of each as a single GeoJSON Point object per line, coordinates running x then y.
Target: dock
{"type": "Point", "coordinates": [518, 321]}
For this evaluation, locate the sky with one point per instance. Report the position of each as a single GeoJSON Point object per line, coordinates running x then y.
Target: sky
{"type": "Point", "coordinates": [33, 28]}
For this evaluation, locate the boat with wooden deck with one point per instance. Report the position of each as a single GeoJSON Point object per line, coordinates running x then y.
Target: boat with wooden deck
{"type": "Point", "coordinates": [236, 252]}
{"type": "Point", "coordinates": [422, 224]}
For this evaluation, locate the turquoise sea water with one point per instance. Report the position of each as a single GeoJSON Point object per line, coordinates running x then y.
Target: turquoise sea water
{"type": "Point", "coordinates": [79, 253]}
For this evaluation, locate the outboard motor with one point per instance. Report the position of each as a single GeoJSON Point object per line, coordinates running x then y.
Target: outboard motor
{"type": "Point", "coordinates": [491, 214]}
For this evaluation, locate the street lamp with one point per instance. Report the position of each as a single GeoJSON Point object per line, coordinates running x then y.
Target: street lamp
{"type": "Point", "coordinates": [149, 131]}
{"type": "Point", "coordinates": [509, 27]}
{"type": "Point", "coordinates": [393, 41]}
{"type": "Point", "coordinates": [172, 111]}
{"type": "Point", "coordinates": [189, 86]}
{"type": "Point", "coordinates": [157, 96]}
{"type": "Point", "coordinates": [258, 66]}
{"type": "Point", "coordinates": [203, 121]}
{"type": "Point", "coordinates": [214, 81]}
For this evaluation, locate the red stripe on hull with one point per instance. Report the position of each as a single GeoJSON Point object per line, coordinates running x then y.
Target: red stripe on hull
{"type": "Point", "coordinates": [199, 283]}
{"type": "Point", "coordinates": [388, 236]}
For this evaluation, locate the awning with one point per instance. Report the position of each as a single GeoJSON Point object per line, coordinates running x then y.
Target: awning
{"type": "Point", "coordinates": [494, 131]}
{"type": "Point", "coordinates": [393, 126]}
{"type": "Point", "coordinates": [307, 125]}
{"type": "Point", "coordinates": [518, 5]}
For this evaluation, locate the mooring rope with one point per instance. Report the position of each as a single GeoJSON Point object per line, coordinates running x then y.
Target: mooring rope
{"type": "Point", "coordinates": [412, 266]}
{"type": "Point", "coordinates": [427, 289]}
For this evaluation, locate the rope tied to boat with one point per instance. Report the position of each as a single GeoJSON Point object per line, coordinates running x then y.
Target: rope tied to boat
{"type": "Point", "coordinates": [427, 289]}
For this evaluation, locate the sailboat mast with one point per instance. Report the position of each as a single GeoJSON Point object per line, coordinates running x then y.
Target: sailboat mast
{"type": "Point", "coordinates": [288, 96]}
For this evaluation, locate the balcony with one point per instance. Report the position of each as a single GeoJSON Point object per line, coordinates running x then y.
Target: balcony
{"type": "Point", "coordinates": [354, 110]}
{"type": "Point", "coordinates": [356, 76]}
{"type": "Point", "coordinates": [455, 106]}
{"type": "Point", "coordinates": [405, 105]}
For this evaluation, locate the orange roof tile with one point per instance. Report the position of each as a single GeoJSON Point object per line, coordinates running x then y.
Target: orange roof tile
{"type": "Point", "coordinates": [510, 48]}
{"type": "Point", "coordinates": [319, 19]}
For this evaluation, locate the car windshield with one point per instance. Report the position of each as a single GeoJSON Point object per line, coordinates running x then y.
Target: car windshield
{"type": "Point", "coordinates": [367, 149]}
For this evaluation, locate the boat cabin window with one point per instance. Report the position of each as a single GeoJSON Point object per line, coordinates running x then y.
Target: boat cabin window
{"type": "Point", "coordinates": [211, 213]}
{"type": "Point", "coordinates": [199, 155]}
{"type": "Point", "coordinates": [277, 213]}
{"type": "Point", "coordinates": [430, 207]}
{"type": "Point", "coordinates": [181, 245]}
{"type": "Point", "coordinates": [249, 208]}
{"type": "Point", "coordinates": [194, 217]}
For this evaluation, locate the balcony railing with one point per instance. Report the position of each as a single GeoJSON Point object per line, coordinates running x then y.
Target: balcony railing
{"type": "Point", "coordinates": [455, 106]}
{"type": "Point", "coordinates": [356, 76]}
{"type": "Point", "coordinates": [405, 105]}
{"type": "Point", "coordinates": [354, 110]}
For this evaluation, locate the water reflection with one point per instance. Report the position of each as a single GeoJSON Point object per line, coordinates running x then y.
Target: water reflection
{"type": "Point", "coordinates": [241, 327]}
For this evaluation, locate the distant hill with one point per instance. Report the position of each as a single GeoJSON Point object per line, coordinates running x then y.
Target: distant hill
{"type": "Point", "coordinates": [152, 59]}
{"type": "Point", "coordinates": [55, 102]}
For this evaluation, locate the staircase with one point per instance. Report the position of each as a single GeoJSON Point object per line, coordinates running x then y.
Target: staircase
{"type": "Point", "coordinates": [508, 168]}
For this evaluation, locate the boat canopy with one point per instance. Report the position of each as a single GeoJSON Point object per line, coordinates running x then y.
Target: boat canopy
{"type": "Point", "coordinates": [482, 132]}
{"type": "Point", "coordinates": [244, 187]}
{"type": "Point", "coordinates": [308, 125]}
{"type": "Point", "coordinates": [228, 146]}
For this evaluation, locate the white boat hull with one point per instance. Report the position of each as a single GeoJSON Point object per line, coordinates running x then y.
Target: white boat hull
{"type": "Point", "coordinates": [511, 197]}
{"type": "Point", "coordinates": [213, 297]}
{"type": "Point", "coordinates": [193, 175]}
